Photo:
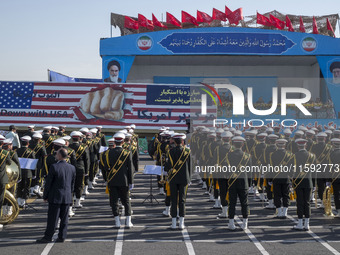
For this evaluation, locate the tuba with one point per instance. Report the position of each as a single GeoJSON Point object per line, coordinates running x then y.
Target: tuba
{"type": "Point", "coordinates": [326, 199]}
{"type": "Point", "coordinates": [9, 199]}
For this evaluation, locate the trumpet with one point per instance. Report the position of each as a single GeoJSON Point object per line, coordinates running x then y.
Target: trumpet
{"type": "Point", "coordinates": [162, 181]}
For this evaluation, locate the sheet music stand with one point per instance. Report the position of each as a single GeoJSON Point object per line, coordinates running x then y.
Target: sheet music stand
{"type": "Point", "coordinates": [151, 170]}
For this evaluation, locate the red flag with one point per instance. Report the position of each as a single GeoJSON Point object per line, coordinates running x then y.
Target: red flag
{"type": "Point", "coordinates": [227, 11]}
{"type": "Point", "coordinates": [157, 23]}
{"type": "Point", "coordinates": [219, 15]}
{"type": "Point", "coordinates": [277, 22]}
{"type": "Point", "coordinates": [186, 17]}
{"type": "Point", "coordinates": [172, 20]}
{"type": "Point", "coordinates": [144, 22]}
{"type": "Point", "coordinates": [130, 23]}
{"type": "Point", "coordinates": [315, 26]}
{"type": "Point", "coordinates": [235, 16]}
{"type": "Point", "coordinates": [202, 17]}
{"type": "Point", "coordinates": [302, 26]}
{"type": "Point", "coordinates": [329, 27]}
{"type": "Point", "coordinates": [263, 20]}
{"type": "Point", "coordinates": [289, 24]}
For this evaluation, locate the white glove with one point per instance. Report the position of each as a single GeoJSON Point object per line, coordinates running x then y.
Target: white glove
{"type": "Point", "coordinates": [131, 186]}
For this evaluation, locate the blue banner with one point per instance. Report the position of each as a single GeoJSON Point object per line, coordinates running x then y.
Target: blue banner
{"type": "Point", "coordinates": [242, 43]}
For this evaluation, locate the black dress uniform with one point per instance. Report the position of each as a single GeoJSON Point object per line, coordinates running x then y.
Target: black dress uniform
{"type": "Point", "coordinates": [266, 161]}
{"type": "Point", "coordinates": [178, 180]}
{"type": "Point", "coordinates": [40, 154]}
{"type": "Point", "coordinates": [119, 179]}
{"type": "Point", "coordinates": [302, 182]}
{"type": "Point", "coordinates": [82, 166]}
{"type": "Point", "coordinates": [26, 174]}
{"type": "Point", "coordinates": [48, 139]}
{"type": "Point", "coordinates": [238, 185]}
{"type": "Point", "coordinates": [280, 180]}
{"type": "Point", "coordinates": [4, 160]}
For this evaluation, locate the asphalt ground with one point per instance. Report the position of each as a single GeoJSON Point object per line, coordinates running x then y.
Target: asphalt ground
{"type": "Point", "coordinates": [91, 229]}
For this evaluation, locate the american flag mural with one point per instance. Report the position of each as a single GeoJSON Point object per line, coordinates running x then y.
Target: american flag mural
{"type": "Point", "coordinates": [91, 104]}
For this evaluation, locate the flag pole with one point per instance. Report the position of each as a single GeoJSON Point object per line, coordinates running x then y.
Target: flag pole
{"type": "Point", "coordinates": [48, 74]}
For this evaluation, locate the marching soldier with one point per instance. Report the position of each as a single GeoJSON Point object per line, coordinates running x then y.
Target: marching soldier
{"type": "Point", "coordinates": [30, 131]}
{"type": "Point", "coordinates": [161, 151]}
{"type": "Point", "coordinates": [95, 144]}
{"type": "Point", "coordinates": [179, 174]}
{"type": "Point", "coordinates": [277, 132]}
{"type": "Point", "coordinates": [61, 132]}
{"type": "Point", "coordinates": [220, 159]}
{"type": "Point", "coordinates": [131, 146]}
{"type": "Point", "coordinates": [334, 158]}
{"type": "Point", "coordinates": [287, 133]}
{"type": "Point", "coordinates": [249, 148]}
{"type": "Point", "coordinates": [238, 181]}
{"type": "Point", "coordinates": [120, 179]}
{"type": "Point", "coordinates": [321, 151]}
{"type": "Point", "coordinates": [302, 183]}
{"type": "Point", "coordinates": [310, 139]}
{"type": "Point", "coordinates": [280, 180]}
{"type": "Point", "coordinates": [103, 156]}
{"type": "Point", "coordinates": [101, 136]}
{"type": "Point", "coordinates": [38, 148]}
{"type": "Point", "coordinates": [258, 154]}
{"type": "Point", "coordinates": [266, 161]}
{"type": "Point", "coordinates": [48, 138]}
{"type": "Point", "coordinates": [26, 174]}
{"type": "Point", "coordinates": [82, 164]}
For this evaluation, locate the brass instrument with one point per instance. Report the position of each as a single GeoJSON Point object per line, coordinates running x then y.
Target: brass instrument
{"type": "Point", "coordinates": [326, 199]}
{"type": "Point", "coordinates": [162, 181]}
{"type": "Point", "coordinates": [13, 176]}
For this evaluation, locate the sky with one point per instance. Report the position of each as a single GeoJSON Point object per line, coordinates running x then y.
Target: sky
{"type": "Point", "coordinates": [64, 35]}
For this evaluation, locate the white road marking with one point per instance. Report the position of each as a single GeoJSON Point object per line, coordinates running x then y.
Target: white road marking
{"type": "Point", "coordinates": [252, 238]}
{"type": "Point", "coordinates": [119, 241]}
{"type": "Point", "coordinates": [188, 243]}
{"type": "Point", "coordinates": [317, 238]}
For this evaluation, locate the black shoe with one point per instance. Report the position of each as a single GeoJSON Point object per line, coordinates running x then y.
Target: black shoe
{"type": "Point", "coordinates": [43, 240]}
{"type": "Point", "coordinates": [59, 240]}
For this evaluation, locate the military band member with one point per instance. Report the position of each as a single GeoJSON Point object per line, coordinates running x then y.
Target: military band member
{"type": "Point", "coordinates": [310, 136]}
{"type": "Point", "coordinates": [179, 176]}
{"type": "Point", "coordinates": [266, 161]}
{"type": "Point", "coordinates": [48, 138]}
{"type": "Point", "coordinates": [101, 136]}
{"type": "Point", "coordinates": [38, 146]}
{"type": "Point", "coordinates": [302, 183]}
{"type": "Point", "coordinates": [220, 159]}
{"type": "Point", "coordinates": [82, 164]}
{"type": "Point", "coordinates": [329, 135]}
{"type": "Point", "coordinates": [26, 174]}
{"type": "Point", "coordinates": [321, 151]}
{"type": "Point", "coordinates": [208, 153]}
{"type": "Point", "coordinates": [249, 148]}
{"type": "Point", "coordinates": [130, 145]}
{"type": "Point", "coordinates": [120, 179]}
{"type": "Point", "coordinates": [4, 160]}
{"type": "Point", "coordinates": [238, 181]}
{"type": "Point", "coordinates": [287, 133]}
{"type": "Point", "coordinates": [293, 146]}
{"type": "Point", "coordinates": [258, 154]}
{"type": "Point", "coordinates": [160, 153]}
{"type": "Point", "coordinates": [334, 158]}
{"type": "Point", "coordinates": [280, 180]}
{"type": "Point", "coordinates": [336, 133]}
{"type": "Point", "coordinates": [104, 156]}
{"type": "Point", "coordinates": [30, 131]}
{"type": "Point", "coordinates": [95, 142]}
{"type": "Point", "coordinates": [277, 132]}
{"type": "Point", "coordinates": [61, 131]}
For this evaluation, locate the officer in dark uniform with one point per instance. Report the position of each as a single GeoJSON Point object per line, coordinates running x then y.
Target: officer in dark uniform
{"type": "Point", "coordinates": [238, 181]}
{"type": "Point", "coordinates": [4, 160]}
{"type": "Point", "coordinates": [132, 147]}
{"type": "Point", "coordinates": [94, 152]}
{"type": "Point", "coordinates": [26, 174]}
{"type": "Point", "coordinates": [287, 133]}
{"type": "Point", "coordinates": [250, 144]}
{"type": "Point", "coordinates": [310, 136]}
{"type": "Point", "coordinates": [208, 151]}
{"type": "Point", "coordinates": [302, 183]}
{"type": "Point", "coordinates": [321, 151]}
{"type": "Point", "coordinates": [82, 164]}
{"type": "Point", "coordinates": [277, 130]}
{"type": "Point", "coordinates": [293, 146]}
{"type": "Point", "coordinates": [220, 159]}
{"type": "Point", "coordinates": [38, 146]}
{"type": "Point", "coordinates": [334, 181]}
{"type": "Point", "coordinates": [120, 179]}
{"type": "Point", "coordinates": [280, 180]}
{"type": "Point", "coordinates": [179, 176]}
{"type": "Point", "coordinates": [160, 153]}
